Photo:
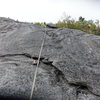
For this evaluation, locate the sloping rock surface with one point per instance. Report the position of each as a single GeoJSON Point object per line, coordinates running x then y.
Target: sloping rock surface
{"type": "Point", "coordinates": [73, 75]}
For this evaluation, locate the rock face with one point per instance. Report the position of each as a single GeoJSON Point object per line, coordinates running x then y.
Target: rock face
{"type": "Point", "coordinates": [74, 73]}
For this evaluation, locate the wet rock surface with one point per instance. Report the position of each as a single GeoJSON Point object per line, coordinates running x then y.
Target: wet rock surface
{"type": "Point", "coordinates": [73, 71]}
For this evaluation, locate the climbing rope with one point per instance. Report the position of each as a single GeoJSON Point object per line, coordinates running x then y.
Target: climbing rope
{"type": "Point", "coordinates": [36, 70]}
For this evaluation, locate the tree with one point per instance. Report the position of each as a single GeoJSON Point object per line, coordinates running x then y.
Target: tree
{"type": "Point", "coordinates": [81, 18]}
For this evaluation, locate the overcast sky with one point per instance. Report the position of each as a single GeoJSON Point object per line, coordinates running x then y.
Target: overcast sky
{"type": "Point", "coordinates": [49, 10]}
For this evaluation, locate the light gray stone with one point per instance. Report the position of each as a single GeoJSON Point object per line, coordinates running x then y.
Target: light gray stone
{"type": "Point", "coordinates": [73, 75]}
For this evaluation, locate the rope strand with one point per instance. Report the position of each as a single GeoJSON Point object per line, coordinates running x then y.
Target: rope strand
{"type": "Point", "coordinates": [36, 70]}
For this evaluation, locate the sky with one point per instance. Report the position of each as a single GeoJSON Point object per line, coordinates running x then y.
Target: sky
{"type": "Point", "coordinates": [49, 10]}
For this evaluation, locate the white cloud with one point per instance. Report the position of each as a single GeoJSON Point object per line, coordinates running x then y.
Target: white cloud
{"type": "Point", "coordinates": [48, 10]}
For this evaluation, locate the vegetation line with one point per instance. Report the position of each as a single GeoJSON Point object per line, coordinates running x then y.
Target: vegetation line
{"type": "Point", "coordinates": [88, 26]}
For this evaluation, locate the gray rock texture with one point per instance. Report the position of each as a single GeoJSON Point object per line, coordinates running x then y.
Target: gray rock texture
{"type": "Point", "coordinates": [73, 75]}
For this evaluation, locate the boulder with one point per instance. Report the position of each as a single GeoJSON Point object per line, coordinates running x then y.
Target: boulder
{"type": "Point", "coordinates": [71, 71]}
{"type": "Point", "coordinates": [51, 25]}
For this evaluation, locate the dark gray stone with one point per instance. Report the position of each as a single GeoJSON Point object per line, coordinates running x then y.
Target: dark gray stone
{"type": "Point", "coordinates": [74, 73]}
{"type": "Point", "coordinates": [51, 25]}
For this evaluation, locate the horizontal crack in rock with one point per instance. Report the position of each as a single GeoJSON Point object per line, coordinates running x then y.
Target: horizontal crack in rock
{"type": "Point", "coordinates": [83, 86]}
{"type": "Point", "coordinates": [59, 74]}
{"type": "Point", "coordinates": [23, 54]}
{"type": "Point", "coordinates": [80, 85]}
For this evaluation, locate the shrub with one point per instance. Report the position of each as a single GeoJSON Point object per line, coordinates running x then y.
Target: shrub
{"type": "Point", "coordinates": [88, 26]}
{"type": "Point", "coordinates": [82, 24]}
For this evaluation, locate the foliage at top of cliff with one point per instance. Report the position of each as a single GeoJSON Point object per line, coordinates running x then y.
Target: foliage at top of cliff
{"type": "Point", "coordinates": [88, 26]}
